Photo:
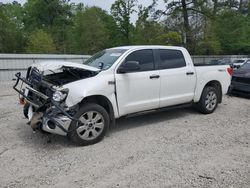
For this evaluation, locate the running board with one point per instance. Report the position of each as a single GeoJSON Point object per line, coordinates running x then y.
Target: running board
{"type": "Point", "coordinates": [186, 105]}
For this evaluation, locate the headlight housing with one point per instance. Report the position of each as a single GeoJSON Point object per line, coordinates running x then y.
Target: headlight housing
{"type": "Point", "coordinates": [60, 95]}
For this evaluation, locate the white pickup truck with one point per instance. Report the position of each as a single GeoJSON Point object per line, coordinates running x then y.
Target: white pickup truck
{"type": "Point", "coordinates": [83, 100]}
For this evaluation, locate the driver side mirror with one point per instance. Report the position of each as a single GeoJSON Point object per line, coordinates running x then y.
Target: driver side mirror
{"type": "Point", "coordinates": [129, 66]}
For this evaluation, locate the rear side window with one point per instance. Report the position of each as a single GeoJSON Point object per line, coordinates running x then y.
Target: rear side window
{"type": "Point", "coordinates": [144, 57]}
{"type": "Point", "coordinates": [170, 59]}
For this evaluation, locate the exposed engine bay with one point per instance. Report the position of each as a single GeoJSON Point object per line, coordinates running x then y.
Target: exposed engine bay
{"type": "Point", "coordinates": [67, 75]}
{"type": "Point", "coordinates": [44, 97]}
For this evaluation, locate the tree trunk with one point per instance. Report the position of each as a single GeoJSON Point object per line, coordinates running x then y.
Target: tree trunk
{"type": "Point", "coordinates": [215, 8]}
{"type": "Point", "coordinates": [187, 28]}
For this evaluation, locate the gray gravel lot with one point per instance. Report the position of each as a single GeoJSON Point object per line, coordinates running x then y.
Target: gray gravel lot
{"type": "Point", "coordinates": [179, 148]}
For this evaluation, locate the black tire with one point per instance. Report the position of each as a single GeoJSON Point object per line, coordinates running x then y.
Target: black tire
{"type": "Point", "coordinates": [204, 107]}
{"type": "Point", "coordinates": [83, 112]}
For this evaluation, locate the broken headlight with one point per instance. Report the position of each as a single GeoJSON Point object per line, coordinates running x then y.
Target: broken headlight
{"type": "Point", "coordinates": [60, 95]}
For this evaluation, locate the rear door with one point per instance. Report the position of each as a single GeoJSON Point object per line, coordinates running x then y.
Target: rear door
{"type": "Point", "coordinates": [178, 79]}
{"type": "Point", "coordinates": [138, 91]}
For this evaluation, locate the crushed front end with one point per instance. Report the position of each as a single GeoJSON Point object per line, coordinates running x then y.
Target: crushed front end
{"type": "Point", "coordinates": [44, 102]}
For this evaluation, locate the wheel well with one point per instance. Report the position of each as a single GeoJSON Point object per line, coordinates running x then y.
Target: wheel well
{"type": "Point", "coordinates": [216, 84]}
{"type": "Point", "coordinates": [102, 101]}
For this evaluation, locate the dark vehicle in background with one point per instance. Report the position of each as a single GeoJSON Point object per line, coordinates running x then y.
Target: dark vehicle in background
{"type": "Point", "coordinates": [241, 80]}
{"type": "Point", "coordinates": [237, 63]}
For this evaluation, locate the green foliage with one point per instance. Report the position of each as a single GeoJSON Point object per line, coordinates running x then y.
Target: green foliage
{"type": "Point", "coordinates": [146, 31]}
{"type": "Point", "coordinates": [233, 32]}
{"type": "Point", "coordinates": [48, 26]}
{"type": "Point", "coordinates": [209, 44]}
{"type": "Point", "coordinates": [93, 30]}
{"type": "Point", "coordinates": [40, 42]}
{"type": "Point", "coordinates": [46, 14]}
{"type": "Point", "coordinates": [121, 11]}
{"type": "Point", "coordinates": [52, 16]}
{"type": "Point", "coordinates": [216, 27]}
{"type": "Point", "coordinates": [170, 38]}
{"type": "Point", "coordinates": [11, 29]}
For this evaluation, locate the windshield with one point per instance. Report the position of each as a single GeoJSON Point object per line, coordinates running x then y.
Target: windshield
{"type": "Point", "coordinates": [246, 65]}
{"type": "Point", "coordinates": [104, 59]}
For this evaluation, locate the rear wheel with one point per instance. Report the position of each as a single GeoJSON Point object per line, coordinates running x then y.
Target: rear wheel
{"type": "Point", "coordinates": [92, 126]}
{"type": "Point", "coordinates": [208, 101]}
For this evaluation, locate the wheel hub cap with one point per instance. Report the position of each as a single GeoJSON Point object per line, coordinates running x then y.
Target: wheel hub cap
{"type": "Point", "coordinates": [92, 124]}
{"type": "Point", "coordinates": [211, 100]}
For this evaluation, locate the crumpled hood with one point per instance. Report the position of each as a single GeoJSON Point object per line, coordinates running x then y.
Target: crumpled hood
{"type": "Point", "coordinates": [55, 65]}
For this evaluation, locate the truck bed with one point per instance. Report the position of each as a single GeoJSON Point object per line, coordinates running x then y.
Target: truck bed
{"type": "Point", "coordinates": [204, 64]}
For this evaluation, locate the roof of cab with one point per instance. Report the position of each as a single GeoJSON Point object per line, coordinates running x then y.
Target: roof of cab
{"type": "Point", "coordinates": [148, 46]}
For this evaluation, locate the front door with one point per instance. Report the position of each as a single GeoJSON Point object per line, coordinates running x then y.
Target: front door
{"type": "Point", "coordinates": [138, 91]}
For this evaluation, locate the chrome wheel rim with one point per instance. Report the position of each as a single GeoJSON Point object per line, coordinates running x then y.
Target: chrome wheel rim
{"type": "Point", "coordinates": [92, 124]}
{"type": "Point", "coordinates": [211, 100]}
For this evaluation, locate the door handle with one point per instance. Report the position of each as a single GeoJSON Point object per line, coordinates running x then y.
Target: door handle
{"type": "Point", "coordinates": [154, 76]}
{"type": "Point", "coordinates": [189, 73]}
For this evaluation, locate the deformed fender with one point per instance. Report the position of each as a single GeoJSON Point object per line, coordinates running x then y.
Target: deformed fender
{"type": "Point", "coordinates": [90, 87]}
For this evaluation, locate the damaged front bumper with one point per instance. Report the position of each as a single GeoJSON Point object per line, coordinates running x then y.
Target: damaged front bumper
{"type": "Point", "coordinates": [43, 112]}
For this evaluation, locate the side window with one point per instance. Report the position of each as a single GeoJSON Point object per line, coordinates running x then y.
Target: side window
{"type": "Point", "coordinates": [170, 59]}
{"type": "Point", "coordinates": [144, 57]}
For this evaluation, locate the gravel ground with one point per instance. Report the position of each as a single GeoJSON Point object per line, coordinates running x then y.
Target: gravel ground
{"type": "Point", "coordinates": [179, 148]}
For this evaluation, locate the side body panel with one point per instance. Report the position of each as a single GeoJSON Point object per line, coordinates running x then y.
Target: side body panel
{"type": "Point", "coordinates": [137, 92]}
{"type": "Point", "coordinates": [205, 74]}
{"type": "Point", "coordinates": [178, 84]}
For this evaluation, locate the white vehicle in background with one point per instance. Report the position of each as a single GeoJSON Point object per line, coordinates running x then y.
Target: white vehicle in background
{"type": "Point", "coordinates": [82, 100]}
{"type": "Point", "coordinates": [237, 63]}
{"type": "Point", "coordinates": [222, 61]}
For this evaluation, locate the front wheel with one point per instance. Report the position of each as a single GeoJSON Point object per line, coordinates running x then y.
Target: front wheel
{"type": "Point", "coordinates": [92, 125]}
{"type": "Point", "coordinates": [208, 101]}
